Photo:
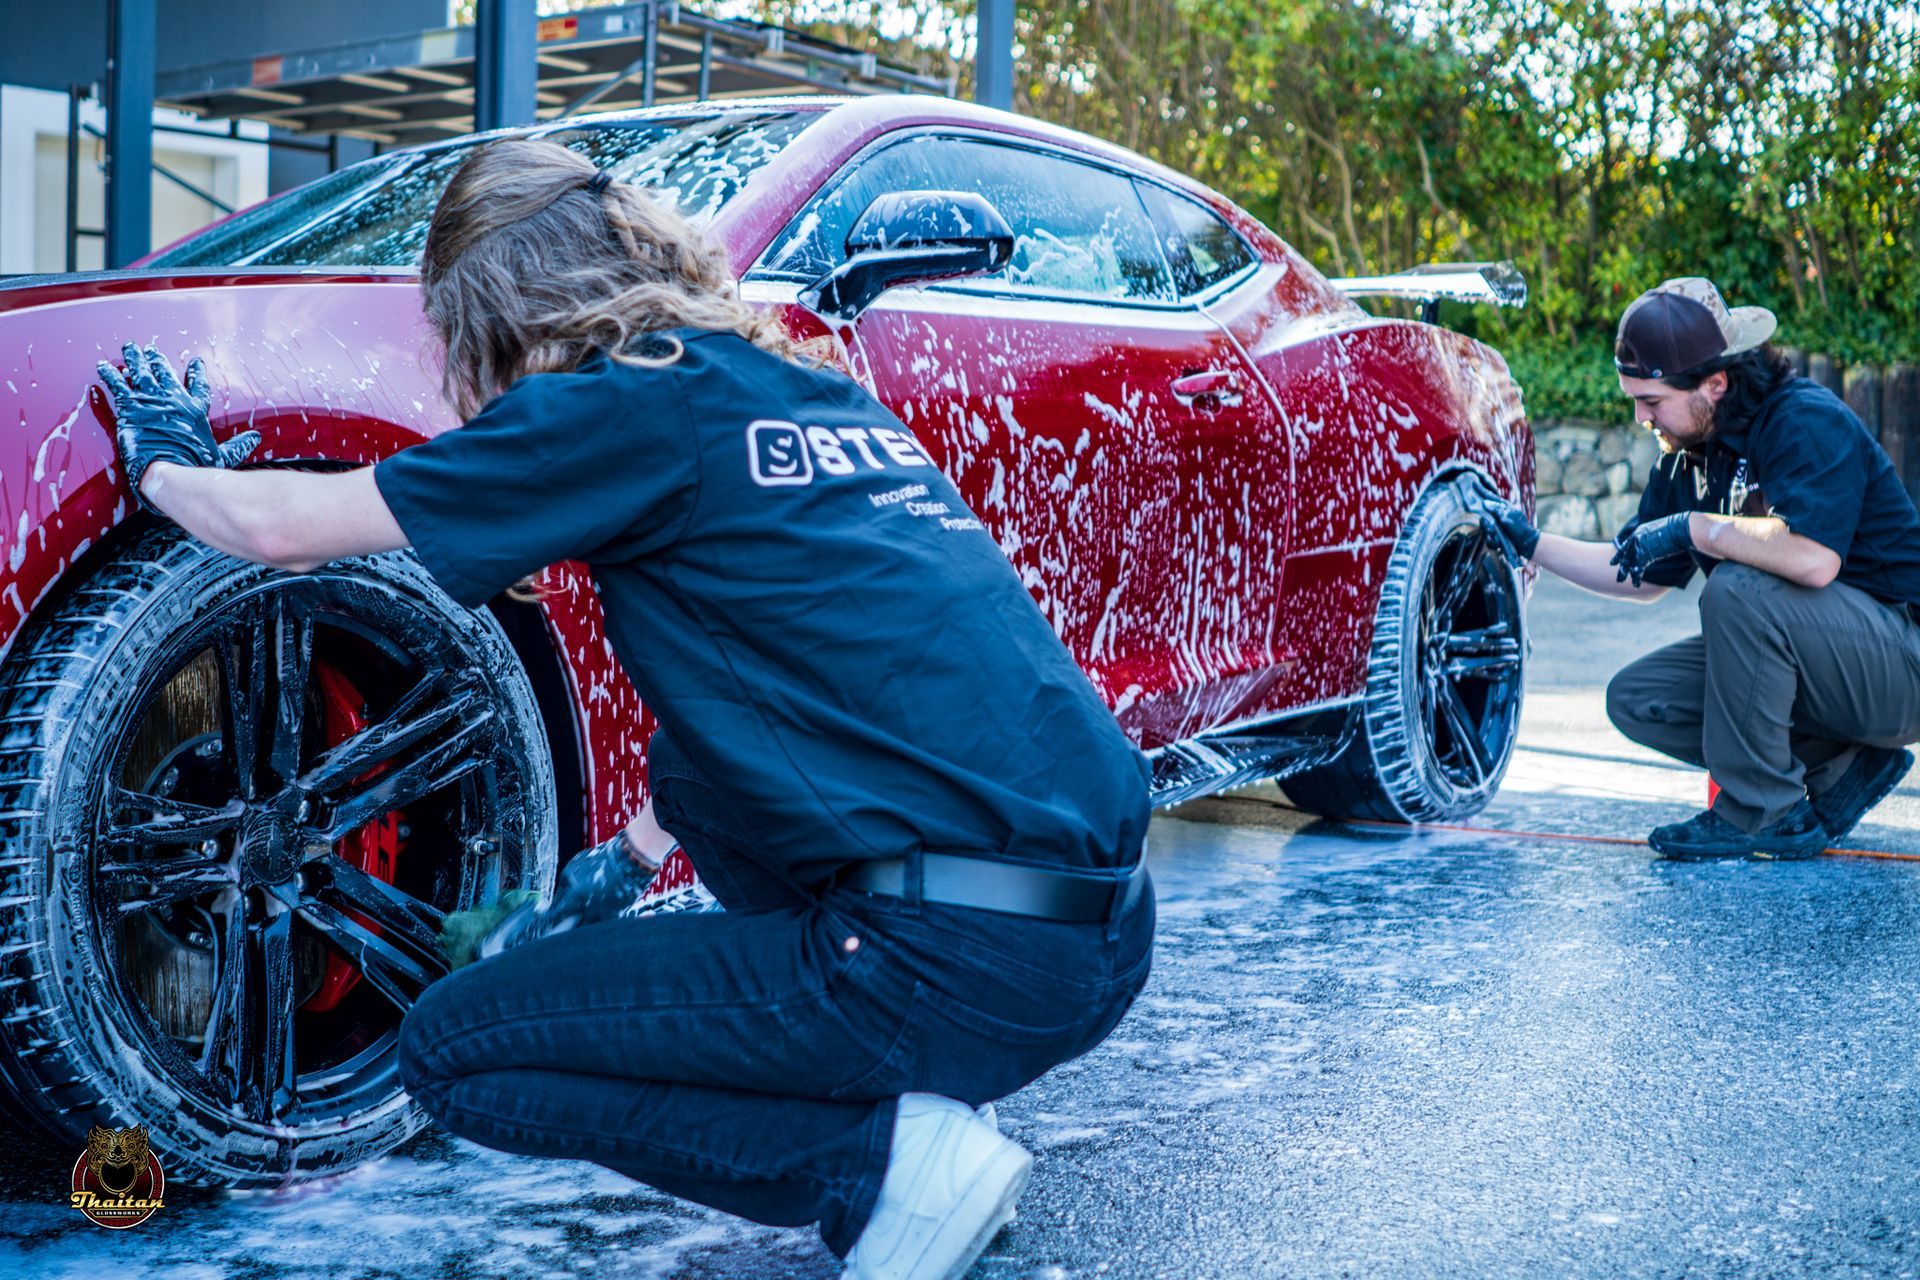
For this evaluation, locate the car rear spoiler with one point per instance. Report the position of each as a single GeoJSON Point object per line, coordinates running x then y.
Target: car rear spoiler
{"type": "Point", "coordinates": [1498, 284]}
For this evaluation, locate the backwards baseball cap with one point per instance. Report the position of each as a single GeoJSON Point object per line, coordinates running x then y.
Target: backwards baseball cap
{"type": "Point", "coordinates": [1681, 324]}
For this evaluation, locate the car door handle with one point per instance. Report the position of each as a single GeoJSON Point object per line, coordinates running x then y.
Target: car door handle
{"type": "Point", "coordinates": [1224, 383]}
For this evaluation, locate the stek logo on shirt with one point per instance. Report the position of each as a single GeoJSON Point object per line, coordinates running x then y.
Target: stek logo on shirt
{"type": "Point", "coordinates": [785, 453]}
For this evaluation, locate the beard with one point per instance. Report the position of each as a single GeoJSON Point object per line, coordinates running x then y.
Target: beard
{"type": "Point", "coordinates": [1698, 430]}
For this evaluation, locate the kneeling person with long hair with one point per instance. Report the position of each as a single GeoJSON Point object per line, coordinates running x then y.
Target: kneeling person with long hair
{"type": "Point", "coordinates": [923, 823]}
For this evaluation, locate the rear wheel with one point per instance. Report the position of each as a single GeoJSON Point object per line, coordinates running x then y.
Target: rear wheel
{"type": "Point", "coordinates": [237, 804]}
{"type": "Point", "coordinates": [1442, 702]}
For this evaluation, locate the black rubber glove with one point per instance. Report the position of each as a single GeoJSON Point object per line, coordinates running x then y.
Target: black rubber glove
{"type": "Point", "coordinates": [1507, 525]}
{"type": "Point", "coordinates": [596, 885]}
{"type": "Point", "coordinates": [158, 420]}
{"type": "Point", "coordinates": [1637, 549]}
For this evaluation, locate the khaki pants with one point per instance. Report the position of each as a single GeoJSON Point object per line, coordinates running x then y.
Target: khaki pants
{"type": "Point", "coordinates": [1779, 691]}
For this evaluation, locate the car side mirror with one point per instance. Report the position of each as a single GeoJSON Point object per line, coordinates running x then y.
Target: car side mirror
{"type": "Point", "coordinates": [912, 237]}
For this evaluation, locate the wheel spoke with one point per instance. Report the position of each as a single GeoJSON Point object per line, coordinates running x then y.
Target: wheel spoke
{"type": "Point", "coordinates": [440, 700]}
{"type": "Point", "coordinates": [1460, 724]}
{"type": "Point", "coordinates": [441, 765]}
{"type": "Point", "coordinates": [401, 914]}
{"type": "Point", "coordinates": [1460, 579]}
{"type": "Point", "coordinates": [291, 639]}
{"type": "Point", "coordinates": [221, 1058]}
{"type": "Point", "coordinates": [396, 974]}
{"type": "Point", "coordinates": [268, 1015]}
{"type": "Point", "coordinates": [1484, 653]}
{"type": "Point", "coordinates": [1490, 667]}
{"type": "Point", "coordinates": [241, 654]}
{"type": "Point", "coordinates": [160, 882]}
{"type": "Point", "coordinates": [166, 821]}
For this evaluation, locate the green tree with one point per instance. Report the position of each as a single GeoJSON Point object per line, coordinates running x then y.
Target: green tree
{"type": "Point", "coordinates": [1772, 145]}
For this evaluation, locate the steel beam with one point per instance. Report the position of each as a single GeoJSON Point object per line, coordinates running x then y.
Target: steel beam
{"type": "Point", "coordinates": [178, 181]}
{"type": "Point", "coordinates": [403, 89]}
{"type": "Point", "coordinates": [74, 94]}
{"type": "Point", "coordinates": [606, 86]}
{"type": "Point", "coordinates": [993, 54]}
{"type": "Point", "coordinates": [132, 27]}
{"type": "Point", "coordinates": [651, 58]}
{"type": "Point", "coordinates": [506, 66]}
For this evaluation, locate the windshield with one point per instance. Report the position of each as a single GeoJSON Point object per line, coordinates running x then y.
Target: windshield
{"type": "Point", "coordinates": [374, 214]}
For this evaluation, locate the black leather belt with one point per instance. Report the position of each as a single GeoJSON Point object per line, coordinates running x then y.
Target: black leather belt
{"type": "Point", "coordinates": [1044, 893]}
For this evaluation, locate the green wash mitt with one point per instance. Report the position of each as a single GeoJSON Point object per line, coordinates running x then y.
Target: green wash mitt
{"type": "Point", "coordinates": [462, 932]}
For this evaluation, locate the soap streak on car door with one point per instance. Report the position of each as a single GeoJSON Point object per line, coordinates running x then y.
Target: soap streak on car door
{"type": "Point", "coordinates": [1145, 522]}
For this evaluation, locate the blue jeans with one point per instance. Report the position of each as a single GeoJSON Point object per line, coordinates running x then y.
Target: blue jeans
{"type": "Point", "coordinates": [750, 1060]}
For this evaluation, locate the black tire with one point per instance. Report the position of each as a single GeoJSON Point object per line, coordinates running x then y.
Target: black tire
{"type": "Point", "coordinates": [1444, 677]}
{"type": "Point", "coordinates": [180, 848]}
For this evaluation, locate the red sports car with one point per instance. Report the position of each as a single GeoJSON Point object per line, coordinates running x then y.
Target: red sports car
{"type": "Point", "coordinates": [237, 802]}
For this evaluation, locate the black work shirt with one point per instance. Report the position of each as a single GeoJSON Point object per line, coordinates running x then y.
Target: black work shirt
{"type": "Point", "coordinates": [802, 598]}
{"type": "Point", "coordinates": [1809, 460]}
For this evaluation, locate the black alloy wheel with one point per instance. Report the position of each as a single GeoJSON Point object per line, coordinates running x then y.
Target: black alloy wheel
{"type": "Point", "coordinates": [1469, 660]}
{"type": "Point", "coordinates": [1441, 708]}
{"type": "Point", "coordinates": [254, 797]}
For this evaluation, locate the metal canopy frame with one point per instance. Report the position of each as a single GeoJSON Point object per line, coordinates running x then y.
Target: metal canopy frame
{"type": "Point", "coordinates": [131, 25]}
{"type": "Point", "coordinates": [420, 88]}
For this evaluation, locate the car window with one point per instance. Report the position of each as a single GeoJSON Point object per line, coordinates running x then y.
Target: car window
{"type": "Point", "coordinates": [375, 213]}
{"type": "Point", "coordinates": [1078, 229]}
{"type": "Point", "coordinates": [1201, 247]}
{"type": "Point", "coordinates": [699, 165]}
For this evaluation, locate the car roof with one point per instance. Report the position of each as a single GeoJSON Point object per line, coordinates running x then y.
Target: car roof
{"type": "Point", "coordinates": [847, 125]}
{"type": "Point", "coordinates": [876, 113]}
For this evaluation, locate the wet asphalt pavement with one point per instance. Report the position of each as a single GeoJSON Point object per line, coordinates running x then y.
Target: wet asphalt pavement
{"type": "Point", "coordinates": [1363, 1053]}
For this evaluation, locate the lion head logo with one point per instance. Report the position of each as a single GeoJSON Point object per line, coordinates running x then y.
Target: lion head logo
{"type": "Point", "coordinates": [117, 1149]}
{"type": "Point", "coordinates": [117, 1181]}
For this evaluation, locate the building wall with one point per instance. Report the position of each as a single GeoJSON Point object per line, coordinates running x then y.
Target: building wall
{"type": "Point", "coordinates": [46, 47]}
{"type": "Point", "coordinates": [33, 179]}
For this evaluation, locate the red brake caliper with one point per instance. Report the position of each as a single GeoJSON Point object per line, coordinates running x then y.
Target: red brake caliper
{"type": "Point", "coordinates": [374, 848]}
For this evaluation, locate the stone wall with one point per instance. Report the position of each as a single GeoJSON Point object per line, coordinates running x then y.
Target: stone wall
{"type": "Point", "coordinates": [1588, 476]}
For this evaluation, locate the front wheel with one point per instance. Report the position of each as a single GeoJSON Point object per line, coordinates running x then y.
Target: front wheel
{"type": "Point", "coordinates": [238, 804]}
{"type": "Point", "coordinates": [1442, 702]}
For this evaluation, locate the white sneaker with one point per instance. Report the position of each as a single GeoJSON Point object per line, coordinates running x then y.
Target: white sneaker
{"type": "Point", "coordinates": [950, 1185]}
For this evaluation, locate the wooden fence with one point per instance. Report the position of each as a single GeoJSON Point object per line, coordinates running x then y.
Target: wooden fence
{"type": "Point", "coordinates": [1887, 398]}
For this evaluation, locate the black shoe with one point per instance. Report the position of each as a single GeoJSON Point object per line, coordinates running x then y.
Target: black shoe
{"type": "Point", "coordinates": [1874, 773]}
{"type": "Point", "coordinates": [1708, 835]}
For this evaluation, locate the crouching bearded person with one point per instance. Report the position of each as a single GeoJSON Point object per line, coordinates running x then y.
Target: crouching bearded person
{"type": "Point", "coordinates": [1802, 689]}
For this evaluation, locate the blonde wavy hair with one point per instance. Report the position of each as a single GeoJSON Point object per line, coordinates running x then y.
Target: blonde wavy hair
{"type": "Point", "coordinates": [528, 269]}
